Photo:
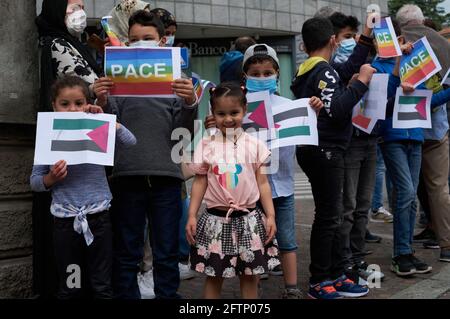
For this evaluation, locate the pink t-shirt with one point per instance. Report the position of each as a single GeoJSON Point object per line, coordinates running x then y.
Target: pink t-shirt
{"type": "Point", "coordinates": [231, 170]}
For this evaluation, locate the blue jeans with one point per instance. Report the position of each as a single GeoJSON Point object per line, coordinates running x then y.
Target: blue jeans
{"type": "Point", "coordinates": [403, 161]}
{"type": "Point", "coordinates": [380, 175]}
{"type": "Point", "coordinates": [134, 199]}
{"type": "Point", "coordinates": [285, 220]}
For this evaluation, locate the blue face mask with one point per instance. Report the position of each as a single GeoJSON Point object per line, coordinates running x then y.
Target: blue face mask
{"type": "Point", "coordinates": [255, 84]}
{"type": "Point", "coordinates": [170, 41]}
{"type": "Point", "coordinates": [344, 50]}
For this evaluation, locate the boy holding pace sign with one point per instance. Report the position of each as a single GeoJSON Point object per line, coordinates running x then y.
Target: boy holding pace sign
{"type": "Point", "coordinates": [146, 177]}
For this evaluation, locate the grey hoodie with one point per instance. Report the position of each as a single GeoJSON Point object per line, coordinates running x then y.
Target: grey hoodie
{"type": "Point", "coordinates": [152, 121]}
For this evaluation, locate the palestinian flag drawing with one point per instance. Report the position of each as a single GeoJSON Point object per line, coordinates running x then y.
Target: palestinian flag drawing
{"type": "Point", "coordinates": [296, 123]}
{"type": "Point", "coordinates": [142, 71]}
{"type": "Point", "coordinates": [412, 111]}
{"type": "Point", "coordinates": [360, 119]}
{"type": "Point", "coordinates": [259, 119]}
{"type": "Point", "coordinates": [75, 137]}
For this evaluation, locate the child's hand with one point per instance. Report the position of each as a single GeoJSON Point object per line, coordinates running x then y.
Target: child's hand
{"type": "Point", "coordinates": [407, 87]}
{"type": "Point", "coordinates": [316, 103]}
{"type": "Point", "coordinates": [209, 122]}
{"type": "Point", "coordinates": [184, 89]}
{"type": "Point", "coordinates": [102, 86]}
{"type": "Point", "coordinates": [191, 230]}
{"type": "Point", "coordinates": [407, 48]}
{"type": "Point", "coordinates": [365, 73]}
{"type": "Point", "coordinates": [92, 109]}
{"type": "Point", "coordinates": [271, 229]}
{"type": "Point", "coordinates": [57, 173]}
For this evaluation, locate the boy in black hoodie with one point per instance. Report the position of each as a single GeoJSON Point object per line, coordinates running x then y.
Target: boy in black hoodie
{"type": "Point", "coordinates": [324, 164]}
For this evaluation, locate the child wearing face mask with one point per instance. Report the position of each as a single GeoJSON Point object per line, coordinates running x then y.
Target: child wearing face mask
{"type": "Point", "coordinates": [146, 183]}
{"type": "Point", "coordinates": [80, 203]}
{"type": "Point", "coordinates": [345, 29]}
{"type": "Point", "coordinates": [170, 25]}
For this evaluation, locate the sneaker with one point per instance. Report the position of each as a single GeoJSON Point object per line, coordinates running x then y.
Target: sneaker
{"type": "Point", "coordinates": [402, 266]}
{"type": "Point", "coordinates": [370, 238]}
{"type": "Point", "coordinates": [445, 255]}
{"type": "Point", "coordinates": [424, 235]}
{"type": "Point", "coordinates": [324, 290]}
{"type": "Point", "coordinates": [347, 288]}
{"type": "Point", "coordinates": [146, 285]}
{"type": "Point", "coordinates": [365, 272]}
{"type": "Point", "coordinates": [421, 267]}
{"type": "Point", "coordinates": [381, 215]}
{"type": "Point", "coordinates": [277, 271]}
{"type": "Point", "coordinates": [292, 293]}
{"type": "Point", "coordinates": [186, 272]}
{"type": "Point", "coordinates": [352, 274]}
{"type": "Point", "coordinates": [431, 244]}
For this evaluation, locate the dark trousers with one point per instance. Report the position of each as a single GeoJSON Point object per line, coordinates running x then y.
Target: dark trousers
{"type": "Point", "coordinates": [359, 182]}
{"type": "Point", "coordinates": [94, 261]}
{"type": "Point", "coordinates": [134, 199]}
{"type": "Point", "coordinates": [325, 170]}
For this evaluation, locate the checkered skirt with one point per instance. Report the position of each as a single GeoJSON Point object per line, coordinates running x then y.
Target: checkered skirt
{"type": "Point", "coordinates": [234, 247]}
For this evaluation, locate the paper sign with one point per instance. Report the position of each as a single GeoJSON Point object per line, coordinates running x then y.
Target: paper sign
{"type": "Point", "coordinates": [201, 86]}
{"type": "Point", "coordinates": [76, 137]}
{"type": "Point", "coordinates": [386, 38]}
{"type": "Point", "coordinates": [372, 106]}
{"type": "Point", "coordinates": [184, 58]}
{"type": "Point", "coordinates": [446, 78]}
{"type": "Point", "coordinates": [296, 122]}
{"type": "Point", "coordinates": [412, 110]}
{"type": "Point", "coordinates": [420, 65]}
{"type": "Point", "coordinates": [259, 119]}
{"type": "Point", "coordinates": [142, 71]}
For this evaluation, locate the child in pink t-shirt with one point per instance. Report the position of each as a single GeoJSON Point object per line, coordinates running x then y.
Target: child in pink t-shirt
{"type": "Point", "coordinates": [232, 236]}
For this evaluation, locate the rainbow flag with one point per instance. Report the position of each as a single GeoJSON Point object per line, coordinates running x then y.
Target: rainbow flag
{"type": "Point", "coordinates": [200, 86]}
{"type": "Point", "coordinates": [386, 38]}
{"type": "Point", "coordinates": [113, 38]}
{"type": "Point", "coordinates": [420, 65]}
{"type": "Point", "coordinates": [142, 71]}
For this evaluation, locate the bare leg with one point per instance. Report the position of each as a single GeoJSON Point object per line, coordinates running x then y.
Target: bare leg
{"type": "Point", "coordinates": [213, 286]}
{"type": "Point", "coordinates": [289, 265]}
{"type": "Point", "coordinates": [249, 286]}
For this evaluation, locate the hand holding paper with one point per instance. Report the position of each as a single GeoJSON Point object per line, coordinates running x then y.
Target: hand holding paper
{"type": "Point", "coordinates": [102, 87]}
{"type": "Point", "coordinates": [57, 173]}
{"type": "Point", "coordinates": [184, 89]}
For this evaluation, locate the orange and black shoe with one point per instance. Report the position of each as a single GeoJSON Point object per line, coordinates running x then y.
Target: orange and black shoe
{"type": "Point", "coordinates": [323, 290]}
{"type": "Point", "coordinates": [347, 288]}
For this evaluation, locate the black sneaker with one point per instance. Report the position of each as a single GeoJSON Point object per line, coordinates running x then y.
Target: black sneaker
{"type": "Point", "coordinates": [277, 271]}
{"type": "Point", "coordinates": [421, 267]}
{"type": "Point", "coordinates": [370, 238]}
{"type": "Point", "coordinates": [402, 266]}
{"type": "Point", "coordinates": [431, 244]}
{"type": "Point", "coordinates": [445, 255]}
{"type": "Point", "coordinates": [424, 235]}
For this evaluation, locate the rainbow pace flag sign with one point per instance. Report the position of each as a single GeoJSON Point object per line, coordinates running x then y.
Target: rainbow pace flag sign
{"type": "Point", "coordinates": [412, 110]}
{"type": "Point", "coordinates": [76, 137]}
{"type": "Point", "coordinates": [142, 71]}
{"type": "Point", "coordinates": [420, 65]}
{"type": "Point", "coordinates": [201, 86]}
{"type": "Point", "coordinates": [386, 38]}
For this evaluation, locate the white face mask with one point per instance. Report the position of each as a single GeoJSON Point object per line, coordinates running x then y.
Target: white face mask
{"type": "Point", "coordinates": [170, 41]}
{"type": "Point", "coordinates": [76, 22]}
{"type": "Point", "coordinates": [145, 44]}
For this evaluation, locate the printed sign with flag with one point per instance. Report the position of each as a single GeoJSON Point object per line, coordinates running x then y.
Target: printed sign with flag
{"type": "Point", "coordinates": [386, 38]}
{"type": "Point", "coordinates": [372, 106]}
{"type": "Point", "coordinates": [296, 122]}
{"type": "Point", "coordinates": [75, 137]}
{"type": "Point", "coordinates": [142, 71]}
{"type": "Point", "coordinates": [420, 65]}
{"type": "Point", "coordinates": [259, 119]}
{"type": "Point", "coordinates": [412, 110]}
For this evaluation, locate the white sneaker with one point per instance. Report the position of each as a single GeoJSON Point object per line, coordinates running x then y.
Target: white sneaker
{"type": "Point", "coordinates": [146, 285]}
{"type": "Point", "coordinates": [381, 215]}
{"type": "Point", "coordinates": [186, 272]}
